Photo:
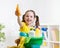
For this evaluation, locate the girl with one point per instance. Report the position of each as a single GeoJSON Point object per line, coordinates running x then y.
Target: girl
{"type": "Point", "coordinates": [25, 25]}
{"type": "Point", "coordinates": [37, 32]}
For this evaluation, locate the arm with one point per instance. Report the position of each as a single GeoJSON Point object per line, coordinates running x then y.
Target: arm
{"type": "Point", "coordinates": [19, 21]}
{"type": "Point", "coordinates": [18, 14]}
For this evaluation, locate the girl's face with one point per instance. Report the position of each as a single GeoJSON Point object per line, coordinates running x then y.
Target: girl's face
{"type": "Point", "coordinates": [29, 18]}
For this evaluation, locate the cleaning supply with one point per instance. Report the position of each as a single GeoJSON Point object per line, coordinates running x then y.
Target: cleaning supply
{"type": "Point", "coordinates": [44, 30]}
{"type": "Point", "coordinates": [17, 12]}
{"type": "Point", "coordinates": [32, 32]}
{"type": "Point", "coordinates": [37, 32]}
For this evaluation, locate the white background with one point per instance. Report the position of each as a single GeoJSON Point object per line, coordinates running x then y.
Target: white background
{"type": "Point", "coordinates": [47, 10]}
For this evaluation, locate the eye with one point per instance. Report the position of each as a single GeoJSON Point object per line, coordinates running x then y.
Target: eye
{"type": "Point", "coordinates": [27, 16]}
{"type": "Point", "coordinates": [31, 16]}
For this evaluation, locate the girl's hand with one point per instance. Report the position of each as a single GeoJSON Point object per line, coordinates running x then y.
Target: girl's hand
{"type": "Point", "coordinates": [17, 12]}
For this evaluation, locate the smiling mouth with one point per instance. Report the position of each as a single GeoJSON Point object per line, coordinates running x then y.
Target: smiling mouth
{"type": "Point", "coordinates": [29, 20]}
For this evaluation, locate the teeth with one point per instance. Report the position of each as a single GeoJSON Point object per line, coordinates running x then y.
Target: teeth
{"type": "Point", "coordinates": [28, 20]}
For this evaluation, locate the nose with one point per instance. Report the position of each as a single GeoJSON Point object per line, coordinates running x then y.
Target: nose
{"type": "Point", "coordinates": [29, 17]}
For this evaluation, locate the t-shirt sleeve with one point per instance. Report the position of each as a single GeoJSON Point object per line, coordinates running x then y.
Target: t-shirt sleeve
{"type": "Point", "coordinates": [21, 28]}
